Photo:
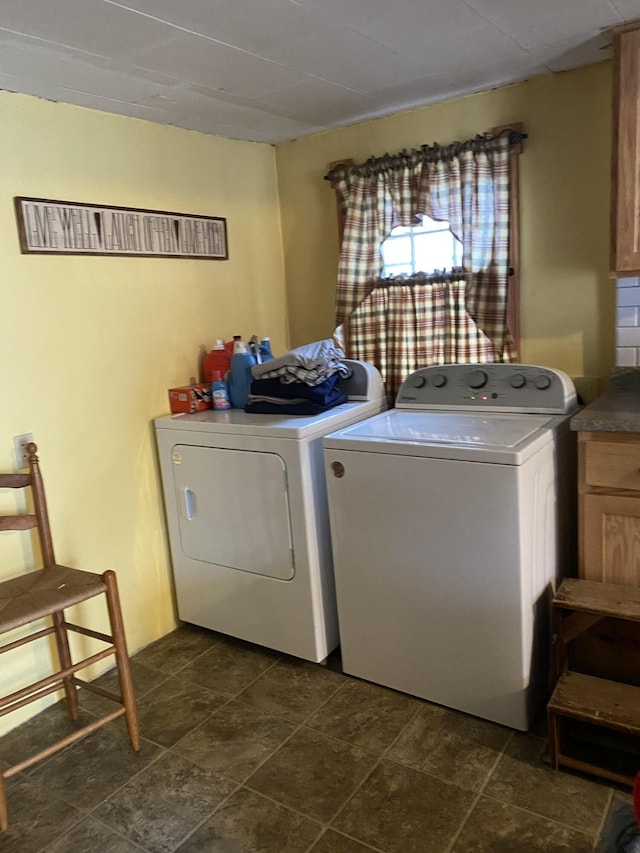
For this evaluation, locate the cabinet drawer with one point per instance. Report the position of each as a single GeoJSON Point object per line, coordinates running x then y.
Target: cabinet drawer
{"type": "Point", "coordinates": [612, 464]}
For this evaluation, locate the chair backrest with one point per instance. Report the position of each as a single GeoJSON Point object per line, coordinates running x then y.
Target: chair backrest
{"type": "Point", "coordinates": [39, 518]}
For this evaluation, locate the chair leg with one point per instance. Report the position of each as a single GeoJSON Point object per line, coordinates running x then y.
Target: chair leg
{"type": "Point", "coordinates": [122, 658]}
{"type": "Point", "coordinates": [62, 641]}
{"type": "Point", "coordinates": [4, 816]}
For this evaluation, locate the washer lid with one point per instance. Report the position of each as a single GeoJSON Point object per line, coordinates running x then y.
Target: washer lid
{"type": "Point", "coordinates": [430, 427]}
{"type": "Point", "coordinates": [504, 438]}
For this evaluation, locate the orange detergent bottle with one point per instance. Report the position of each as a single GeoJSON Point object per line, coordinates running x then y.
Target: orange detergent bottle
{"type": "Point", "coordinates": [217, 359]}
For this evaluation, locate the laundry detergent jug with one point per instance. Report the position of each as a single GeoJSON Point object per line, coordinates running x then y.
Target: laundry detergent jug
{"type": "Point", "coordinates": [240, 375]}
{"type": "Point", "coordinates": [216, 359]}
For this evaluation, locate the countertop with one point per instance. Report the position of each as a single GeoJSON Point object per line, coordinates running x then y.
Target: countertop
{"type": "Point", "coordinates": [618, 410]}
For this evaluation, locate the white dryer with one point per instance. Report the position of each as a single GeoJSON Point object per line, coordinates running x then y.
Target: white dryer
{"type": "Point", "coordinates": [452, 517]}
{"type": "Point", "coordinates": [246, 507]}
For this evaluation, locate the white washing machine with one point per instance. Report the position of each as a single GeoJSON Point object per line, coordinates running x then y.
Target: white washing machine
{"type": "Point", "coordinates": [246, 506]}
{"type": "Point", "coordinates": [452, 517]}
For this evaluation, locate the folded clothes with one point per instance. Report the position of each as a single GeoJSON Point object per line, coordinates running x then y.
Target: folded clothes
{"type": "Point", "coordinates": [321, 393]}
{"type": "Point", "coordinates": [311, 364]}
{"type": "Point", "coordinates": [290, 374]}
{"type": "Point", "coordinates": [292, 407]}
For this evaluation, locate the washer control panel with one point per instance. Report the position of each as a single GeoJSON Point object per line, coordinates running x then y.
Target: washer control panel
{"type": "Point", "coordinates": [495, 387]}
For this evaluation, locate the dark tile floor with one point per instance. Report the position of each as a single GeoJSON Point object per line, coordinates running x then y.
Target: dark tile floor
{"type": "Point", "coordinates": [248, 751]}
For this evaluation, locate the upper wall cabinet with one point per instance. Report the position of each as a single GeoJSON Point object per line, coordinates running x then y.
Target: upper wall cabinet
{"type": "Point", "coordinates": [625, 200]}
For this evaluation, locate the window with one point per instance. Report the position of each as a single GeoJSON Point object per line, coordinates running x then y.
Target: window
{"type": "Point", "coordinates": [425, 248]}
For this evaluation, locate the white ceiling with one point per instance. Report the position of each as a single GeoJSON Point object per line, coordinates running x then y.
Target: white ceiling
{"type": "Point", "coordinates": [273, 70]}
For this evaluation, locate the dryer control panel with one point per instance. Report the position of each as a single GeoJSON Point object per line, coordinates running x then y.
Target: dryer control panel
{"type": "Point", "coordinates": [494, 387]}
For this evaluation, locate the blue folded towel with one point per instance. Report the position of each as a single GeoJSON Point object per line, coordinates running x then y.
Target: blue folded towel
{"type": "Point", "coordinates": [323, 393]}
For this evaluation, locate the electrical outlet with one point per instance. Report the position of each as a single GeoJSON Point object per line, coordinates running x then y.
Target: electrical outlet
{"type": "Point", "coordinates": [19, 444]}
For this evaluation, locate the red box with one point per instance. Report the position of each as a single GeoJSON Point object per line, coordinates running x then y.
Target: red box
{"type": "Point", "coordinates": [190, 398]}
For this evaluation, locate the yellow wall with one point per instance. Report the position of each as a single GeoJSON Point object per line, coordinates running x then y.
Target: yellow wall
{"type": "Point", "coordinates": [568, 301]}
{"type": "Point", "coordinates": [90, 345]}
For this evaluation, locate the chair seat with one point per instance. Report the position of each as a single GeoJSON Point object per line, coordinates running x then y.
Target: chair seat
{"type": "Point", "coordinates": [39, 593]}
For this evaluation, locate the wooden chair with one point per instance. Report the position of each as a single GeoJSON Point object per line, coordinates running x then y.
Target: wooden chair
{"type": "Point", "coordinates": [47, 592]}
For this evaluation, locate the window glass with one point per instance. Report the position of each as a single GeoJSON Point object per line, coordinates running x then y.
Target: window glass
{"type": "Point", "coordinates": [420, 248]}
{"type": "Point", "coordinates": [397, 250]}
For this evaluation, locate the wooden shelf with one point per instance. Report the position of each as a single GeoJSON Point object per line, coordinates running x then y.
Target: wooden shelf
{"type": "Point", "coordinates": [598, 701]}
{"type": "Point", "coordinates": [579, 605]}
{"type": "Point", "coordinates": [603, 599]}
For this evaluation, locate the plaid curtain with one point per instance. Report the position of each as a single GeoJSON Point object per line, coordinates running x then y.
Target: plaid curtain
{"type": "Point", "coordinates": [405, 323]}
{"type": "Point", "coordinates": [466, 184]}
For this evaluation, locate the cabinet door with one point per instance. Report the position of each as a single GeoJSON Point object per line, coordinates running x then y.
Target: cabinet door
{"type": "Point", "coordinates": [625, 236]}
{"type": "Point", "coordinates": [610, 552]}
{"type": "Point", "coordinates": [610, 539]}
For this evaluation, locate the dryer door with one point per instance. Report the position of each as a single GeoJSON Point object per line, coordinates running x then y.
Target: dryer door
{"type": "Point", "coordinates": [233, 509]}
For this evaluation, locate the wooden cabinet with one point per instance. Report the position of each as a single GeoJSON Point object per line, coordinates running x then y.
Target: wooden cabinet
{"type": "Point", "coordinates": [609, 507]}
{"type": "Point", "coordinates": [609, 546]}
{"type": "Point", "coordinates": [625, 201]}
{"type": "Point", "coordinates": [612, 539]}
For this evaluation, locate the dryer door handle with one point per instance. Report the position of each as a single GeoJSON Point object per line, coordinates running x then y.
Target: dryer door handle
{"type": "Point", "coordinates": [190, 509]}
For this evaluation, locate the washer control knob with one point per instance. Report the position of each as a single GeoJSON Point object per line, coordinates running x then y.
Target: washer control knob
{"type": "Point", "coordinates": [477, 379]}
{"type": "Point", "coordinates": [418, 380]}
{"type": "Point", "coordinates": [439, 380]}
{"type": "Point", "coordinates": [542, 382]}
{"type": "Point", "coordinates": [518, 380]}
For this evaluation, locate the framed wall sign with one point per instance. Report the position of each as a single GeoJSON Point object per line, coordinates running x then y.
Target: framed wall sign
{"type": "Point", "coordinates": [48, 227]}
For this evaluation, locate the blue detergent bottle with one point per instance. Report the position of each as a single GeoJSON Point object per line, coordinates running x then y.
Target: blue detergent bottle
{"type": "Point", "coordinates": [240, 375]}
{"type": "Point", "coordinates": [219, 392]}
{"type": "Point", "coordinates": [265, 349]}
